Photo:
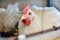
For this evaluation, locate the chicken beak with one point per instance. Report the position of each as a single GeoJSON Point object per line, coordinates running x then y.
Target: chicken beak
{"type": "Point", "coordinates": [22, 17]}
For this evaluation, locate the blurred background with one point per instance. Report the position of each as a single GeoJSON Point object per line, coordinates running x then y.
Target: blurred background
{"type": "Point", "coordinates": [42, 3]}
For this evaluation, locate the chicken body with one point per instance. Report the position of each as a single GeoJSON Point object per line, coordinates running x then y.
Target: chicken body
{"type": "Point", "coordinates": [9, 18]}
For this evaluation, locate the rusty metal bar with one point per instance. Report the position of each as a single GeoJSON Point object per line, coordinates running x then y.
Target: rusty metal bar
{"type": "Point", "coordinates": [43, 32]}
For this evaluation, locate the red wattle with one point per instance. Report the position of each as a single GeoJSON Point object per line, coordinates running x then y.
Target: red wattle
{"type": "Point", "coordinates": [26, 21]}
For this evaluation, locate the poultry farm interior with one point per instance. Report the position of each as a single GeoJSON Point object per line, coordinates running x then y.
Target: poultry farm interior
{"type": "Point", "coordinates": [29, 20]}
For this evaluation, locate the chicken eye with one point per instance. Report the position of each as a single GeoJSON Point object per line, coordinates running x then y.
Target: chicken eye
{"type": "Point", "coordinates": [29, 13]}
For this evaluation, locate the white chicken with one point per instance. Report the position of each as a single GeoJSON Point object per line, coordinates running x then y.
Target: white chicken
{"type": "Point", "coordinates": [2, 17]}
{"type": "Point", "coordinates": [50, 18]}
{"type": "Point", "coordinates": [9, 17]}
{"type": "Point", "coordinates": [12, 16]}
{"type": "Point", "coordinates": [30, 22]}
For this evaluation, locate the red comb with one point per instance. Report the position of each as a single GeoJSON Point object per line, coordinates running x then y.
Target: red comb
{"type": "Point", "coordinates": [25, 10]}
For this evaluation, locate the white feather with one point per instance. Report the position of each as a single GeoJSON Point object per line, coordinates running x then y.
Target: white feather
{"type": "Point", "coordinates": [35, 25]}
